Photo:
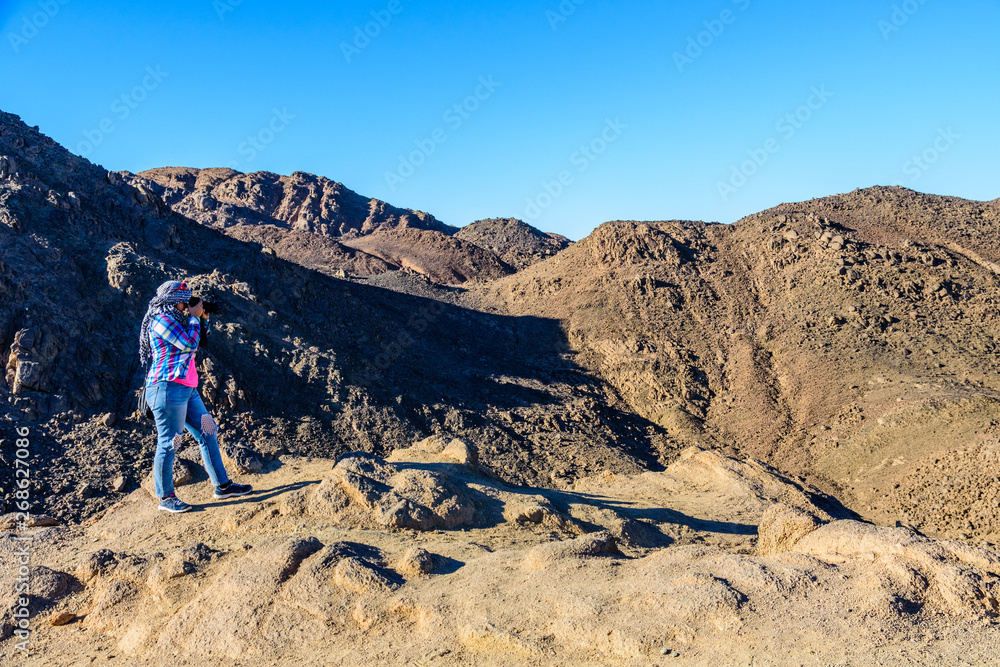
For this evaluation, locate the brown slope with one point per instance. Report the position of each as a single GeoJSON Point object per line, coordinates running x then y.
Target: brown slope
{"type": "Point", "coordinates": [824, 358]}
{"type": "Point", "coordinates": [312, 251]}
{"type": "Point", "coordinates": [442, 258]}
{"type": "Point", "coordinates": [892, 215]}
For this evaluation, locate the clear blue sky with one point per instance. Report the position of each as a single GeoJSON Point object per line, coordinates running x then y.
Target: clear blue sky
{"type": "Point", "coordinates": [902, 79]}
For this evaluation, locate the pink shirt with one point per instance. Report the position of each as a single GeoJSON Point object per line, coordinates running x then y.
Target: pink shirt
{"type": "Point", "coordinates": [190, 378]}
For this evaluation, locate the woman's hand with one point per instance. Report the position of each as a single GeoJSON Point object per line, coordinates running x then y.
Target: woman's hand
{"type": "Point", "coordinates": [197, 310]}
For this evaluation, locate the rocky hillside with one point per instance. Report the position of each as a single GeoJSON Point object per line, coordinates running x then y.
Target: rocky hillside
{"type": "Point", "coordinates": [300, 202]}
{"type": "Point", "coordinates": [443, 259]}
{"type": "Point", "coordinates": [299, 362]}
{"type": "Point", "coordinates": [851, 340]}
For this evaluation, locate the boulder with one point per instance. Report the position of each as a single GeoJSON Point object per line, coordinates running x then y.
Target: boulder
{"type": "Point", "coordinates": [58, 618]}
{"type": "Point", "coordinates": [586, 546]}
{"type": "Point", "coordinates": [781, 527]}
{"type": "Point", "coordinates": [240, 459]}
{"type": "Point", "coordinates": [415, 562]}
{"type": "Point", "coordinates": [958, 578]}
{"type": "Point", "coordinates": [407, 498]}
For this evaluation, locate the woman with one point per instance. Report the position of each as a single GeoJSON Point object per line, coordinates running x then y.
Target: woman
{"type": "Point", "coordinates": [169, 338]}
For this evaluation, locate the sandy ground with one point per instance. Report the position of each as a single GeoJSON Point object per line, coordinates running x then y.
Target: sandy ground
{"type": "Point", "coordinates": [656, 568]}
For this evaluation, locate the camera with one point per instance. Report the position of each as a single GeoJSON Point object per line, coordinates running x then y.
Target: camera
{"type": "Point", "coordinates": [212, 307]}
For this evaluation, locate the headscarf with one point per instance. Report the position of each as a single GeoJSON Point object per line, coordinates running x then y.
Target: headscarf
{"type": "Point", "coordinates": [168, 294]}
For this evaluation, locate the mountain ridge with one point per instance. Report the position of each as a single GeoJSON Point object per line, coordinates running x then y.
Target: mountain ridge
{"type": "Point", "coordinates": [346, 223]}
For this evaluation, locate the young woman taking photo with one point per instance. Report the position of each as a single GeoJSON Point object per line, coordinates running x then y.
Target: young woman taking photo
{"type": "Point", "coordinates": [168, 340]}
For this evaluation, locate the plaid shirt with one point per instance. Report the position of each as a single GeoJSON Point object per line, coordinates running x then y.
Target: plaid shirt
{"type": "Point", "coordinates": [172, 347]}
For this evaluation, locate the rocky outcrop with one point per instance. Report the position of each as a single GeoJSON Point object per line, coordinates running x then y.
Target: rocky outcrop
{"type": "Point", "coordinates": [320, 224]}
{"type": "Point", "coordinates": [299, 202]}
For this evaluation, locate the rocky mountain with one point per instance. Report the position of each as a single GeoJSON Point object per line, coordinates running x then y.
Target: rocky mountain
{"type": "Point", "coordinates": [852, 340]}
{"type": "Point", "coordinates": [324, 226]}
{"type": "Point", "coordinates": [300, 202]}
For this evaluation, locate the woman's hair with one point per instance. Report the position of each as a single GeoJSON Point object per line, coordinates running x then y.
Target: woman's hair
{"type": "Point", "coordinates": [167, 296]}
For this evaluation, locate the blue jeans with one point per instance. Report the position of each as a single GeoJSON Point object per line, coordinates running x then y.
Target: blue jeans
{"type": "Point", "coordinates": [176, 407]}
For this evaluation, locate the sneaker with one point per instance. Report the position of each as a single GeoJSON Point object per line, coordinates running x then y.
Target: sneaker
{"type": "Point", "coordinates": [233, 489]}
{"type": "Point", "coordinates": [174, 505]}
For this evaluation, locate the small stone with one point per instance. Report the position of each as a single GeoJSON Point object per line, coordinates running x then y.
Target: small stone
{"type": "Point", "coordinates": [119, 483]}
{"type": "Point", "coordinates": [531, 514]}
{"type": "Point", "coordinates": [10, 520]}
{"type": "Point", "coordinates": [110, 419]}
{"type": "Point", "coordinates": [61, 618]}
{"type": "Point", "coordinates": [241, 459]}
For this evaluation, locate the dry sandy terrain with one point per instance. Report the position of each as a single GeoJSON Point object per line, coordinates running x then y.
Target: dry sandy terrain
{"type": "Point", "coordinates": [321, 566]}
